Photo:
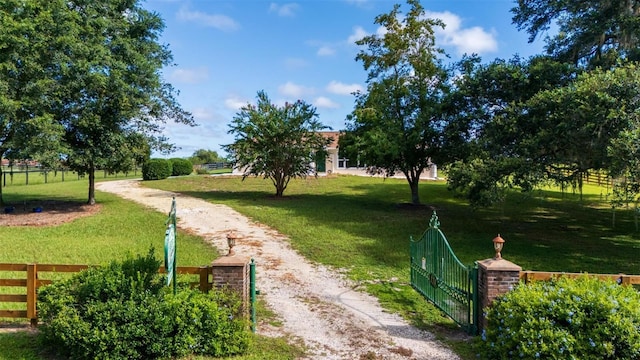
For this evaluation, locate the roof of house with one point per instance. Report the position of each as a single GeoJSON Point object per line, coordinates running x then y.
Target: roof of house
{"type": "Point", "coordinates": [334, 135]}
{"type": "Point", "coordinates": [6, 162]}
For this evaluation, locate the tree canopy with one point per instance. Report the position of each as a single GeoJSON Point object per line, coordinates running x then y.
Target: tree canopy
{"type": "Point", "coordinates": [396, 123]}
{"type": "Point", "coordinates": [494, 139]}
{"type": "Point", "coordinates": [113, 85]}
{"type": "Point", "coordinates": [28, 40]}
{"type": "Point", "coordinates": [204, 156]}
{"type": "Point", "coordinates": [277, 142]}
{"type": "Point", "coordinates": [554, 117]}
{"type": "Point", "coordinates": [593, 32]}
{"type": "Point", "coordinates": [90, 74]}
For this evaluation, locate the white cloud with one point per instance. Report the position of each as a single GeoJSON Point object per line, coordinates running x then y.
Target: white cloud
{"type": "Point", "coordinates": [358, 33]}
{"type": "Point", "coordinates": [190, 76]}
{"type": "Point", "coordinates": [326, 51]}
{"type": "Point", "coordinates": [360, 3]}
{"type": "Point", "coordinates": [220, 22]}
{"type": "Point", "coordinates": [381, 31]}
{"type": "Point", "coordinates": [234, 103]}
{"type": "Point", "coordinates": [294, 90]}
{"type": "Point", "coordinates": [464, 40]}
{"type": "Point", "coordinates": [325, 102]}
{"type": "Point", "coordinates": [336, 87]}
{"type": "Point", "coordinates": [475, 40]}
{"type": "Point", "coordinates": [284, 9]}
{"type": "Point", "coordinates": [202, 114]}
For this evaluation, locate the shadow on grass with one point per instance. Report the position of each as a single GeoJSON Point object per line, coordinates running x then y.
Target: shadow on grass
{"type": "Point", "coordinates": [20, 344]}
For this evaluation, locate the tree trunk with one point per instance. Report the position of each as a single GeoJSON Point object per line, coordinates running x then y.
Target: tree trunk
{"type": "Point", "coordinates": [415, 195]}
{"type": "Point", "coordinates": [280, 186]}
{"type": "Point", "coordinates": [413, 178]}
{"type": "Point", "coordinates": [279, 180]}
{"type": "Point", "coordinates": [92, 186]}
{"type": "Point", "coordinates": [1, 185]}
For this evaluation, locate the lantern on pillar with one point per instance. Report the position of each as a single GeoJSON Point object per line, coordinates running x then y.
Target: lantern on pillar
{"type": "Point", "coordinates": [231, 241]}
{"type": "Point", "coordinates": [498, 244]}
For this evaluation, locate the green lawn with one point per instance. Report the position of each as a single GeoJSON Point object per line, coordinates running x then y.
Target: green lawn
{"type": "Point", "coordinates": [120, 228]}
{"type": "Point", "coordinates": [23, 345]}
{"type": "Point", "coordinates": [359, 224]}
{"type": "Point", "coordinates": [363, 225]}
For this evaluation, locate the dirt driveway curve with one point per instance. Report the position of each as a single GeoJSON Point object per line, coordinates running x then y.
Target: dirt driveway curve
{"type": "Point", "coordinates": [316, 305]}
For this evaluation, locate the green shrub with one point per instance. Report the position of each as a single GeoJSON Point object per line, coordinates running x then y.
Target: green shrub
{"type": "Point", "coordinates": [123, 311]}
{"type": "Point", "coordinates": [583, 318]}
{"type": "Point", "coordinates": [202, 171]}
{"type": "Point", "coordinates": [181, 167]}
{"type": "Point", "coordinates": [156, 169]}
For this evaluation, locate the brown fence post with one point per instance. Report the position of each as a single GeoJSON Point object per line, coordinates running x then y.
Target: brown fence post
{"type": "Point", "coordinates": [204, 279]}
{"type": "Point", "coordinates": [32, 280]}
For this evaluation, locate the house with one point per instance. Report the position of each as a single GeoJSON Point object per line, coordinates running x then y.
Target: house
{"type": "Point", "coordinates": [329, 165]}
{"type": "Point", "coordinates": [335, 164]}
{"type": "Point", "coordinates": [19, 163]}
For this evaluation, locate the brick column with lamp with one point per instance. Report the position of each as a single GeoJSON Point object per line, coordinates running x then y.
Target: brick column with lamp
{"type": "Point", "coordinates": [496, 276]}
{"type": "Point", "coordinates": [232, 272]}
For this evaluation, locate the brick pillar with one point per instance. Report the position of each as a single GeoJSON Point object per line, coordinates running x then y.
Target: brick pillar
{"type": "Point", "coordinates": [232, 272]}
{"type": "Point", "coordinates": [495, 277]}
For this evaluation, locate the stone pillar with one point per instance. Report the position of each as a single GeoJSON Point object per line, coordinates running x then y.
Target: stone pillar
{"type": "Point", "coordinates": [232, 272]}
{"type": "Point", "coordinates": [495, 277]}
{"type": "Point", "coordinates": [433, 171]}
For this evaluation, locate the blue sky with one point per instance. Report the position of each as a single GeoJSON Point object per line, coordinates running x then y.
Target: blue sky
{"type": "Point", "coordinates": [226, 51]}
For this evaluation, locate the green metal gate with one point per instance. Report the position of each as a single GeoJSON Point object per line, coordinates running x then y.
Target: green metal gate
{"type": "Point", "coordinates": [438, 275]}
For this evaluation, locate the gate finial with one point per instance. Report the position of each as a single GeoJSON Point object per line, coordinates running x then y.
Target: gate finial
{"type": "Point", "coordinates": [434, 222]}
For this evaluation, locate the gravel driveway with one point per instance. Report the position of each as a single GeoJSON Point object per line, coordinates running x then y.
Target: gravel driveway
{"type": "Point", "coordinates": [316, 305]}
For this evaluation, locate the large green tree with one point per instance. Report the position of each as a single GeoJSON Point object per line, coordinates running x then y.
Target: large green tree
{"type": "Point", "coordinates": [203, 156]}
{"type": "Point", "coordinates": [494, 140]}
{"type": "Point", "coordinates": [397, 121]}
{"type": "Point", "coordinates": [554, 117]}
{"type": "Point", "coordinates": [277, 142]}
{"type": "Point", "coordinates": [30, 38]}
{"type": "Point", "coordinates": [592, 32]}
{"type": "Point", "coordinates": [114, 94]}
{"type": "Point", "coordinates": [558, 132]}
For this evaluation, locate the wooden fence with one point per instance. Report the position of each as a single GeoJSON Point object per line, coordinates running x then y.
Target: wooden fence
{"type": "Point", "coordinates": [33, 280]}
{"type": "Point", "coordinates": [622, 279]}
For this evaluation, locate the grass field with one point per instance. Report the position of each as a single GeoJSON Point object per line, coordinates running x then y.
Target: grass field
{"type": "Point", "coordinates": [358, 224]}
{"type": "Point", "coordinates": [120, 228]}
{"type": "Point", "coordinates": [364, 225]}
